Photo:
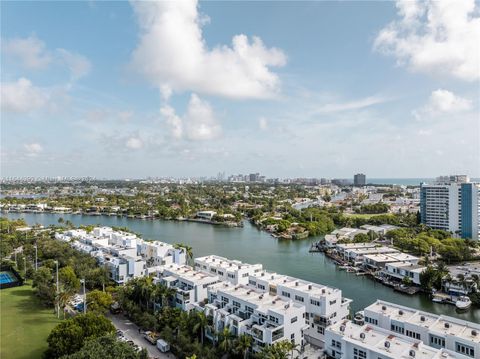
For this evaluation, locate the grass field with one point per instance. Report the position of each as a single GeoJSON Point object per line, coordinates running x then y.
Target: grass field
{"type": "Point", "coordinates": [25, 324]}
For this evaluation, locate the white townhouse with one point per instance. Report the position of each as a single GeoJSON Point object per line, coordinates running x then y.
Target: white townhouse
{"type": "Point", "coordinates": [439, 331]}
{"type": "Point", "coordinates": [191, 285]}
{"type": "Point", "coordinates": [324, 305]}
{"type": "Point", "coordinates": [401, 270]}
{"type": "Point", "coordinates": [158, 253]}
{"type": "Point", "coordinates": [122, 268]}
{"type": "Point", "coordinates": [346, 340]}
{"type": "Point", "coordinates": [266, 317]}
{"type": "Point", "coordinates": [230, 270]}
{"type": "Point", "coordinates": [355, 252]}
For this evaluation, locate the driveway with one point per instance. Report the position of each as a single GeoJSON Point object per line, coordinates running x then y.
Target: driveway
{"type": "Point", "coordinates": [132, 333]}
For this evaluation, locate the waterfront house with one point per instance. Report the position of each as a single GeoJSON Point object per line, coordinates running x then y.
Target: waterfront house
{"type": "Point", "coordinates": [401, 270]}
{"type": "Point", "coordinates": [229, 270]}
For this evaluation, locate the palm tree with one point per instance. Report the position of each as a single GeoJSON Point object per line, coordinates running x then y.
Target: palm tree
{"type": "Point", "coordinates": [62, 299]}
{"type": "Point", "coordinates": [202, 323]}
{"type": "Point", "coordinates": [226, 340]}
{"type": "Point", "coordinates": [188, 251]}
{"type": "Point", "coordinates": [243, 344]}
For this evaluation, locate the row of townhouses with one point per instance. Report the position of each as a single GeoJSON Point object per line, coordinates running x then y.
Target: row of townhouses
{"type": "Point", "coordinates": [272, 307]}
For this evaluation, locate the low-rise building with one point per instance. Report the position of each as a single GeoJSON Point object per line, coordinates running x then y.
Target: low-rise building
{"type": "Point", "coordinates": [346, 340]}
{"type": "Point", "coordinates": [229, 270]}
{"type": "Point", "coordinates": [401, 270]}
{"type": "Point", "coordinates": [268, 318]}
{"type": "Point", "coordinates": [438, 331]}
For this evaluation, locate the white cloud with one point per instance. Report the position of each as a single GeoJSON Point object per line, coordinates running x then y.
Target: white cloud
{"type": "Point", "coordinates": [134, 143]}
{"type": "Point", "coordinates": [33, 54]}
{"type": "Point", "coordinates": [263, 123]}
{"type": "Point", "coordinates": [442, 102]}
{"type": "Point", "coordinates": [33, 149]}
{"type": "Point", "coordinates": [30, 51]}
{"type": "Point", "coordinates": [351, 105]}
{"type": "Point", "coordinates": [439, 37]}
{"type": "Point", "coordinates": [173, 54]}
{"type": "Point", "coordinates": [78, 64]}
{"type": "Point", "coordinates": [199, 122]}
{"type": "Point", "coordinates": [22, 96]}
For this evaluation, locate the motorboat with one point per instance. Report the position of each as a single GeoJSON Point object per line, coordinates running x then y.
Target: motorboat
{"type": "Point", "coordinates": [463, 302]}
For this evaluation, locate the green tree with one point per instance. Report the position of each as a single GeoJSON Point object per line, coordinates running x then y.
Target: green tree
{"type": "Point", "coordinates": [98, 301]}
{"type": "Point", "coordinates": [43, 285]}
{"type": "Point", "coordinates": [69, 279]}
{"type": "Point", "coordinates": [243, 345]}
{"type": "Point", "coordinates": [70, 335]}
{"type": "Point", "coordinates": [201, 324]}
{"type": "Point", "coordinates": [107, 347]}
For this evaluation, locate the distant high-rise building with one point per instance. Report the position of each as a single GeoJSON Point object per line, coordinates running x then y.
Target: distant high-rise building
{"type": "Point", "coordinates": [254, 177]}
{"type": "Point", "coordinates": [452, 205]}
{"type": "Point", "coordinates": [359, 179]}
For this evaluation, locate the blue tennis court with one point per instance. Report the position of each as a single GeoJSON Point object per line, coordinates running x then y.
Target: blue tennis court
{"type": "Point", "coordinates": [7, 277]}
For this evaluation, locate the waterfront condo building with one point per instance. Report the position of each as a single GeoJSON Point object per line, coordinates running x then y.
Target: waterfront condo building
{"type": "Point", "coordinates": [347, 340]}
{"type": "Point", "coordinates": [266, 317]}
{"type": "Point", "coordinates": [323, 305]}
{"type": "Point", "coordinates": [229, 270]}
{"type": "Point", "coordinates": [438, 331]}
{"type": "Point", "coordinates": [452, 206]}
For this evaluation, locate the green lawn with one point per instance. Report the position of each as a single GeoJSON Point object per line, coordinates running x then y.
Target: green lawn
{"type": "Point", "coordinates": [24, 324]}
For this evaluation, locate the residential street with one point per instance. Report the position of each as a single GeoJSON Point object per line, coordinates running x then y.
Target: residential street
{"type": "Point", "coordinates": [132, 333]}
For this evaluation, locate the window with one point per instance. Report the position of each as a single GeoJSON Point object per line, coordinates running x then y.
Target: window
{"type": "Point", "coordinates": [299, 298]}
{"type": "Point", "coordinates": [412, 334]}
{"type": "Point", "coordinates": [244, 275]}
{"type": "Point", "coordinates": [397, 328]}
{"type": "Point", "coordinates": [286, 294]}
{"type": "Point", "coordinates": [320, 330]}
{"type": "Point", "coordinates": [231, 275]}
{"type": "Point", "coordinates": [315, 302]}
{"type": "Point", "coordinates": [293, 320]}
{"type": "Point", "coordinates": [236, 304]}
{"type": "Point", "coordinates": [292, 336]}
{"type": "Point", "coordinates": [336, 344]}
{"type": "Point", "coordinates": [359, 354]}
{"type": "Point", "coordinates": [332, 302]}
{"type": "Point", "coordinates": [252, 282]}
{"type": "Point", "coordinates": [262, 287]}
{"type": "Point", "coordinates": [220, 273]}
{"type": "Point", "coordinates": [465, 349]}
{"type": "Point", "coordinates": [273, 319]}
{"type": "Point", "coordinates": [437, 341]}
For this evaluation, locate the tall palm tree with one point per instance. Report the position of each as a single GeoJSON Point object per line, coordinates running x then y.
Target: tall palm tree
{"type": "Point", "coordinates": [226, 340]}
{"type": "Point", "coordinates": [243, 344]}
{"type": "Point", "coordinates": [201, 324]}
{"type": "Point", "coordinates": [62, 299]}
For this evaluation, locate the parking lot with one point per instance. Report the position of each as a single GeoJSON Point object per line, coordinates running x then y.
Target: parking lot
{"type": "Point", "coordinates": [132, 332]}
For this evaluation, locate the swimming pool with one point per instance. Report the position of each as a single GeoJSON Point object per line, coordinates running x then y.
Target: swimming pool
{"type": "Point", "coordinates": [7, 277]}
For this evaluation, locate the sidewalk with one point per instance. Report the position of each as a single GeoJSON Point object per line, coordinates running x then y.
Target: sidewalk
{"type": "Point", "coordinates": [131, 332]}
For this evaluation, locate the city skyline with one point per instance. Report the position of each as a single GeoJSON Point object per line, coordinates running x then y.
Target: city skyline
{"type": "Point", "coordinates": [290, 90]}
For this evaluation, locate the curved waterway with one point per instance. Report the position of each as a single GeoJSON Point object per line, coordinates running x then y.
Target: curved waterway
{"type": "Point", "coordinates": [251, 245]}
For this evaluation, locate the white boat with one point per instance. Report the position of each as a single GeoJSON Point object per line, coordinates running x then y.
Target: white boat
{"type": "Point", "coordinates": [463, 302]}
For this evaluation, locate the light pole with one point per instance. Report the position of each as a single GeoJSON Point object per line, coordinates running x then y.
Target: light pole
{"type": "Point", "coordinates": [84, 296]}
{"type": "Point", "coordinates": [36, 257]}
{"type": "Point", "coordinates": [58, 308]}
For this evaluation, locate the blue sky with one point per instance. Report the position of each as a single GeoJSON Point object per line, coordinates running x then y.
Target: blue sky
{"type": "Point", "coordinates": [317, 89]}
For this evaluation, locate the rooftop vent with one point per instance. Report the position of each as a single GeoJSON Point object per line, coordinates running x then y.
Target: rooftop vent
{"type": "Point", "coordinates": [362, 335]}
{"type": "Point", "coordinates": [422, 318]}
{"type": "Point", "coordinates": [272, 277]}
{"type": "Point", "coordinates": [384, 307]}
{"type": "Point", "coordinates": [400, 312]}
{"type": "Point", "coordinates": [447, 325]}
{"type": "Point", "coordinates": [474, 332]}
{"type": "Point", "coordinates": [342, 328]}
{"type": "Point", "coordinates": [309, 286]}
{"type": "Point", "coordinates": [296, 284]}
{"type": "Point", "coordinates": [387, 344]}
{"type": "Point", "coordinates": [323, 291]}
{"type": "Point", "coordinates": [412, 353]}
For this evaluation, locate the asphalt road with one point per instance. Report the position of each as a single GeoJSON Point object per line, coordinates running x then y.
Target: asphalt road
{"type": "Point", "coordinates": [132, 333]}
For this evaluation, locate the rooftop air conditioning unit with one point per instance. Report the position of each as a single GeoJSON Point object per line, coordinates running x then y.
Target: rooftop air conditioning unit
{"type": "Point", "coordinates": [422, 318]}
{"type": "Point", "coordinates": [447, 325]}
{"type": "Point", "coordinates": [384, 307]}
{"type": "Point", "coordinates": [387, 344]}
{"type": "Point", "coordinates": [412, 353]}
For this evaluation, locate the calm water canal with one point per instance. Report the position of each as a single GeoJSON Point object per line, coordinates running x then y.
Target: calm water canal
{"type": "Point", "coordinates": [250, 245]}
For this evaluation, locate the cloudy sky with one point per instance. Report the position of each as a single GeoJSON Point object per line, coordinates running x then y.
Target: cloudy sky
{"type": "Point", "coordinates": [318, 89]}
